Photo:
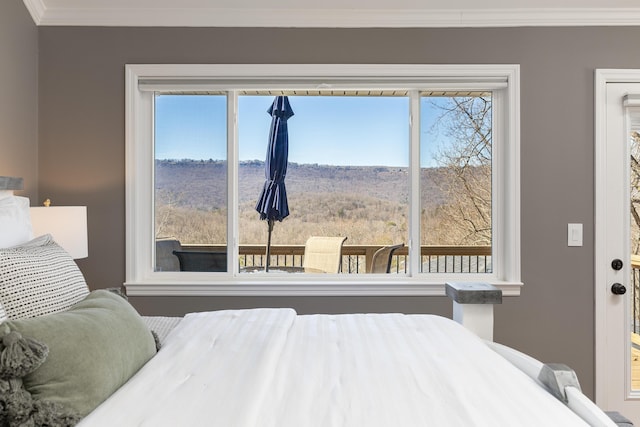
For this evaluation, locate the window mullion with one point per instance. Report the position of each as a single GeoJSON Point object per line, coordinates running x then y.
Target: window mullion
{"type": "Point", "coordinates": [232, 177]}
{"type": "Point", "coordinates": [415, 256]}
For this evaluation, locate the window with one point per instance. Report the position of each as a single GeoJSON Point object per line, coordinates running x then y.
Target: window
{"type": "Point", "coordinates": [455, 182]}
{"type": "Point", "coordinates": [425, 156]}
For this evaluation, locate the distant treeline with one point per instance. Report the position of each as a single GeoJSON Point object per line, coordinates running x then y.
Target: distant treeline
{"type": "Point", "coordinates": [202, 184]}
{"type": "Point", "coordinates": [368, 204]}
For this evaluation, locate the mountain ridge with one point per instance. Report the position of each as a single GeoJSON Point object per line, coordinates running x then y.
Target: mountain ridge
{"type": "Point", "coordinates": [202, 184]}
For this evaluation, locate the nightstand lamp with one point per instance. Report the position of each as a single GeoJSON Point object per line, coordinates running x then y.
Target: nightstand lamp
{"type": "Point", "coordinates": [66, 224]}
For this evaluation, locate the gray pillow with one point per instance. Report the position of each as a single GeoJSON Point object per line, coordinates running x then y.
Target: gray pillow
{"type": "Point", "coordinates": [94, 348]}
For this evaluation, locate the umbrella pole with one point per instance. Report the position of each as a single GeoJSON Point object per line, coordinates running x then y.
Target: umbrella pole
{"type": "Point", "coordinates": [270, 225]}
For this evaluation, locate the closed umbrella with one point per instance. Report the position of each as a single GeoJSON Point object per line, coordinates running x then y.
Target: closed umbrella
{"type": "Point", "coordinates": [272, 203]}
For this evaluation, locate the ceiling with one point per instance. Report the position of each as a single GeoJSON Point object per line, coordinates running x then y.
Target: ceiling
{"type": "Point", "coordinates": [335, 13]}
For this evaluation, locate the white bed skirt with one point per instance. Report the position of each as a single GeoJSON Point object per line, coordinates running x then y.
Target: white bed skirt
{"type": "Point", "coordinates": [272, 368]}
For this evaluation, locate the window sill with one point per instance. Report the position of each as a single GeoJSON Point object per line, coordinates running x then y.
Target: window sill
{"type": "Point", "coordinates": [412, 287]}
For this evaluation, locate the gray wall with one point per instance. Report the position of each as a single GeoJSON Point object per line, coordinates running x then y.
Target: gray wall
{"type": "Point", "coordinates": [81, 123]}
{"type": "Point", "coordinates": [19, 95]}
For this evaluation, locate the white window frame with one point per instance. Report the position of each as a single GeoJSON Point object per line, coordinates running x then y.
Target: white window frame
{"type": "Point", "coordinates": [142, 80]}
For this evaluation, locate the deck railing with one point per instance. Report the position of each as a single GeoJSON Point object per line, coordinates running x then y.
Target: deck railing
{"type": "Point", "coordinates": [357, 258]}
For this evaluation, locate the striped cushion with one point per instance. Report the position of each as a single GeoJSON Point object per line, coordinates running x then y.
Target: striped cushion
{"type": "Point", "coordinates": [161, 325]}
{"type": "Point", "coordinates": [37, 278]}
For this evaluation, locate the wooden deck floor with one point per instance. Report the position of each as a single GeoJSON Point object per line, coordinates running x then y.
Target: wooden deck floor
{"type": "Point", "coordinates": [635, 361]}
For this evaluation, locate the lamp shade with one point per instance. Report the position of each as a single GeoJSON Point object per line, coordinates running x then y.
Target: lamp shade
{"type": "Point", "coordinates": [66, 224]}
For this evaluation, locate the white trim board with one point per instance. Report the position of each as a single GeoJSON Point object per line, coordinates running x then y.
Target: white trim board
{"type": "Point", "coordinates": [97, 13]}
{"type": "Point", "coordinates": [142, 79]}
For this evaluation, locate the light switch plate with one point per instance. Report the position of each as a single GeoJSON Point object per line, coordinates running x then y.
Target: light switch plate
{"type": "Point", "coordinates": [574, 235]}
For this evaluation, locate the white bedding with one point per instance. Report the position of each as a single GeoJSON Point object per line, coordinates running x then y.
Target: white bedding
{"type": "Point", "coordinates": [270, 367]}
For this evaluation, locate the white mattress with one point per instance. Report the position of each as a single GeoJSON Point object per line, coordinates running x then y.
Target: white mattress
{"type": "Point", "coordinates": [269, 367]}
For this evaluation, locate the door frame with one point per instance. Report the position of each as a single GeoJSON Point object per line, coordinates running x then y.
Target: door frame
{"type": "Point", "coordinates": [604, 315]}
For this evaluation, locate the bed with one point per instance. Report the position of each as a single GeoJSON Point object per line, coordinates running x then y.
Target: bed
{"type": "Point", "coordinates": [71, 356]}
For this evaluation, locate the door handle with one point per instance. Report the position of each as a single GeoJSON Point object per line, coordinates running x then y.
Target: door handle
{"type": "Point", "coordinates": [618, 289]}
{"type": "Point", "coordinates": [617, 264]}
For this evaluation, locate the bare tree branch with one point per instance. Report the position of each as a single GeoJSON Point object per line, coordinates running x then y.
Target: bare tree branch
{"type": "Point", "coordinates": [465, 217]}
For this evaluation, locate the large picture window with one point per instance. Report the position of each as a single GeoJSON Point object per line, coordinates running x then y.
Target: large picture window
{"type": "Point", "coordinates": [418, 161]}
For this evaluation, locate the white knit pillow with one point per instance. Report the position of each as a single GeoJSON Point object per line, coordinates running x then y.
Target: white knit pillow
{"type": "Point", "coordinates": [37, 278]}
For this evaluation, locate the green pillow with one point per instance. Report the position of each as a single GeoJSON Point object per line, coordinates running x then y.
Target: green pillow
{"type": "Point", "coordinates": [94, 348]}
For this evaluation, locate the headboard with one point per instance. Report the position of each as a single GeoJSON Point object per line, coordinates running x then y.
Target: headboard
{"type": "Point", "coordinates": [8, 184]}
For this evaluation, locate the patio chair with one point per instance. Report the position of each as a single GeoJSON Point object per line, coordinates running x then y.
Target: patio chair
{"type": "Point", "coordinates": [323, 254]}
{"type": "Point", "coordinates": [165, 259]}
{"type": "Point", "coordinates": [381, 260]}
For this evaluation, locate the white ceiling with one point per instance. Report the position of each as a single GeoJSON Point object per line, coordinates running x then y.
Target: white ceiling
{"type": "Point", "coordinates": [335, 13]}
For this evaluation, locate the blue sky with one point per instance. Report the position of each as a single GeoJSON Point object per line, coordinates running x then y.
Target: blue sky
{"type": "Point", "coordinates": [324, 130]}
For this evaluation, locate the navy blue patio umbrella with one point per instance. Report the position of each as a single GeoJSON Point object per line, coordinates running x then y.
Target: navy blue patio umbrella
{"type": "Point", "coordinates": [272, 203]}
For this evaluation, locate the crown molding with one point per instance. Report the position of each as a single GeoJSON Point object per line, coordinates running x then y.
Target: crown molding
{"type": "Point", "coordinates": [329, 18]}
{"type": "Point", "coordinates": [36, 9]}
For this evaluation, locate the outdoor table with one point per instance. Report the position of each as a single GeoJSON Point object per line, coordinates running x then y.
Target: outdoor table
{"type": "Point", "coordinates": [278, 269]}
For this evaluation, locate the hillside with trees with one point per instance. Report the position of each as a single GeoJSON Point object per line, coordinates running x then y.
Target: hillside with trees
{"type": "Point", "coordinates": [367, 204]}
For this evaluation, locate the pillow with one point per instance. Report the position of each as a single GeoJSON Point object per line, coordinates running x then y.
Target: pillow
{"type": "Point", "coordinates": [94, 348]}
{"type": "Point", "coordinates": [20, 356]}
{"type": "Point", "coordinates": [6, 193]}
{"type": "Point", "coordinates": [15, 221]}
{"type": "Point", "coordinates": [3, 314]}
{"type": "Point", "coordinates": [39, 277]}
